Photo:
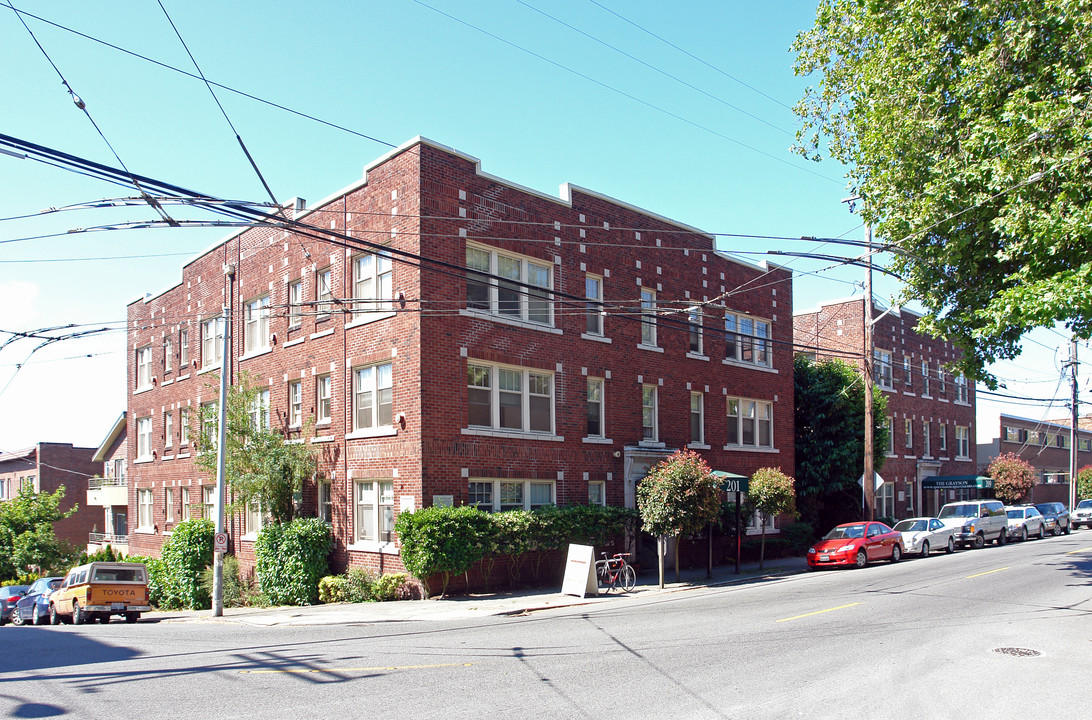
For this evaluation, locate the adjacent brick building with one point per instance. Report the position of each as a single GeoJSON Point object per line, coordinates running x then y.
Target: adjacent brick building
{"type": "Point", "coordinates": [541, 350]}
{"type": "Point", "coordinates": [930, 412]}
{"type": "Point", "coordinates": [47, 467]}
{"type": "Point", "coordinates": [1046, 445]}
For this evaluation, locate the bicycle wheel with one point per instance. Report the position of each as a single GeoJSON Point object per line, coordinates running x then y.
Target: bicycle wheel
{"type": "Point", "coordinates": [627, 578]}
{"type": "Point", "coordinates": [603, 578]}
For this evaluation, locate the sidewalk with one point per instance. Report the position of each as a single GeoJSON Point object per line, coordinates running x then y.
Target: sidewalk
{"type": "Point", "coordinates": [481, 605]}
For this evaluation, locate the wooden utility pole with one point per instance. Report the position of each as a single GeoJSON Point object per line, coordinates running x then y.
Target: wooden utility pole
{"type": "Point", "coordinates": [869, 509]}
{"type": "Point", "coordinates": [1073, 434]}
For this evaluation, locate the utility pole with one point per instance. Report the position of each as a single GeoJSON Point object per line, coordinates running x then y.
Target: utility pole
{"type": "Point", "coordinates": [868, 480]}
{"type": "Point", "coordinates": [1073, 427]}
{"type": "Point", "coordinates": [221, 447]}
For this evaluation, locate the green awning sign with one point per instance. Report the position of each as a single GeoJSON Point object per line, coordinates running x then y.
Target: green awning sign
{"type": "Point", "coordinates": [957, 482]}
{"type": "Point", "coordinates": [730, 482]}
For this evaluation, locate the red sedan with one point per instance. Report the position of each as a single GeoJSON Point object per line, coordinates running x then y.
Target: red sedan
{"type": "Point", "coordinates": [857, 544]}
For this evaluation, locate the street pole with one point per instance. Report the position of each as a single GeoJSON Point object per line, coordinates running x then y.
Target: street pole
{"type": "Point", "coordinates": [1073, 428]}
{"type": "Point", "coordinates": [221, 448]}
{"type": "Point", "coordinates": [869, 464]}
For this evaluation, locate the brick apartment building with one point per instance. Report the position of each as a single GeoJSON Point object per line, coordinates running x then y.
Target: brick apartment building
{"type": "Point", "coordinates": [542, 350]}
{"type": "Point", "coordinates": [930, 413]}
{"type": "Point", "coordinates": [1046, 445]}
{"type": "Point", "coordinates": [47, 467]}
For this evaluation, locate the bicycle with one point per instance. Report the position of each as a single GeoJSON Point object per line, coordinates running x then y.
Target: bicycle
{"type": "Point", "coordinates": [615, 572]}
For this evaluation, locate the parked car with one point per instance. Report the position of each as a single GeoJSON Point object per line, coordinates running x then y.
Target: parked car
{"type": "Point", "coordinates": [1057, 517]}
{"type": "Point", "coordinates": [921, 535]}
{"type": "Point", "coordinates": [1024, 521]}
{"type": "Point", "coordinates": [9, 596]}
{"type": "Point", "coordinates": [33, 607]}
{"type": "Point", "coordinates": [98, 590]}
{"type": "Point", "coordinates": [857, 544]}
{"type": "Point", "coordinates": [976, 522]}
{"type": "Point", "coordinates": [1082, 514]}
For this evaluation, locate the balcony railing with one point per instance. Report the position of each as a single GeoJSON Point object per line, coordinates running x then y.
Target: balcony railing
{"type": "Point", "coordinates": [107, 539]}
{"type": "Point", "coordinates": [100, 482]}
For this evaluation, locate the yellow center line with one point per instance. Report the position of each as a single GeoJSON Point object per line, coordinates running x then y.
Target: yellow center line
{"type": "Point", "coordinates": [819, 612]}
{"type": "Point", "coordinates": [359, 669]}
{"type": "Point", "coordinates": [1071, 552]}
{"type": "Point", "coordinates": [986, 573]}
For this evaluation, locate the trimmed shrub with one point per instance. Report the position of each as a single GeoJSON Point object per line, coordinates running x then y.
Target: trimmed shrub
{"type": "Point", "coordinates": [290, 559]}
{"type": "Point", "coordinates": [440, 540]}
{"type": "Point", "coordinates": [234, 590]}
{"type": "Point", "coordinates": [333, 588]}
{"type": "Point", "coordinates": [389, 586]}
{"type": "Point", "coordinates": [799, 535]}
{"type": "Point", "coordinates": [359, 584]}
{"type": "Point", "coordinates": [185, 556]}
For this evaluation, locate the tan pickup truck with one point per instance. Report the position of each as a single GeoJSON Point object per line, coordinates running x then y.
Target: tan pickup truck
{"type": "Point", "coordinates": [99, 590]}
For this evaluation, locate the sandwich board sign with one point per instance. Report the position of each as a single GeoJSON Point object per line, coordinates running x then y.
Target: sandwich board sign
{"type": "Point", "coordinates": [580, 572]}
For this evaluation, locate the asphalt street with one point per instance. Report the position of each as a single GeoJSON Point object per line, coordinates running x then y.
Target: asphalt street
{"type": "Point", "coordinates": [975, 634]}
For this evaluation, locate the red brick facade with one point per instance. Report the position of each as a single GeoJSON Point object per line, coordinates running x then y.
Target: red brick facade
{"type": "Point", "coordinates": [462, 388]}
{"type": "Point", "coordinates": [48, 467]}
{"type": "Point", "coordinates": [1044, 444]}
{"type": "Point", "coordinates": [932, 412]}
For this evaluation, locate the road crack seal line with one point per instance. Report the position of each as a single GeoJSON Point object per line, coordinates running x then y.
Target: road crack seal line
{"type": "Point", "coordinates": [356, 669]}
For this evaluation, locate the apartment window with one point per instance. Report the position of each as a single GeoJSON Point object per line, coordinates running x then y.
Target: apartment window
{"type": "Point", "coordinates": [144, 368]}
{"type": "Point", "coordinates": [212, 341]}
{"type": "Point", "coordinates": [890, 427]}
{"type": "Point", "coordinates": [183, 349]}
{"type": "Point", "coordinates": [1012, 434]}
{"type": "Point", "coordinates": [144, 438]}
{"type": "Point", "coordinates": [595, 408]}
{"type": "Point", "coordinates": [295, 303]}
{"type": "Point", "coordinates": [961, 388]}
{"type": "Point", "coordinates": [962, 436]}
{"type": "Point", "coordinates": [324, 290]}
{"type": "Point", "coordinates": [521, 290]}
{"type": "Point", "coordinates": [183, 426]}
{"type": "Point", "coordinates": [372, 283]}
{"type": "Point", "coordinates": [323, 393]}
{"type": "Point", "coordinates": [374, 512]}
{"type": "Point", "coordinates": [885, 500]}
{"type": "Point", "coordinates": [295, 403]}
{"type": "Point", "coordinates": [145, 517]}
{"type": "Point", "coordinates": [325, 502]}
{"type": "Point", "coordinates": [256, 325]}
{"type": "Point", "coordinates": [372, 397]}
{"type": "Point", "coordinates": [501, 495]}
{"type": "Point", "coordinates": [649, 430]}
{"type": "Point", "coordinates": [1084, 444]}
{"type": "Point", "coordinates": [926, 447]}
{"type": "Point", "coordinates": [881, 359]}
{"type": "Point", "coordinates": [648, 317]}
{"type": "Point", "coordinates": [907, 370]}
{"type": "Point", "coordinates": [697, 418]}
{"type": "Point", "coordinates": [747, 339]}
{"type": "Point", "coordinates": [694, 334]}
{"type": "Point", "coordinates": [208, 501]}
{"type": "Point", "coordinates": [168, 429]}
{"type": "Point", "coordinates": [925, 378]}
{"type": "Point", "coordinates": [255, 519]}
{"type": "Point", "coordinates": [185, 503]}
{"type": "Point", "coordinates": [507, 398]}
{"type": "Point", "coordinates": [168, 505]}
{"type": "Point", "coordinates": [908, 430]}
{"type": "Point", "coordinates": [168, 355]}
{"type": "Point", "coordinates": [1034, 437]}
{"type": "Point", "coordinates": [750, 423]}
{"type": "Point", "coordinates": [943, 437]}
{"type": "Point", "coordinates": [593, 291]}
{"type": "Point", "coordinates": [1064, 441]}
{"type": "Point", "coordinates": [597, 492]}
{"type": "Point", "coordinates": [259, 410]}
{"type": "Point", "coordinates": [941, 379]}
{"type": "Point", "coordinates": [210, 421]}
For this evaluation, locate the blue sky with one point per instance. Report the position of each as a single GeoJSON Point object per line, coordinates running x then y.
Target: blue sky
{"type": "Point", "coordinates": [699, 132]}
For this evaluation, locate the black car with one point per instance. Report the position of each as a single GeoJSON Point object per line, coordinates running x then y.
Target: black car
{"type": "Point", "coordinates": [1056, 516]}
{"type": "Point", "coordinates": [10, 595]}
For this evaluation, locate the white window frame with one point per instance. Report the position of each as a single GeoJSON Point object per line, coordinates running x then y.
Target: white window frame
{"type": "Point", "coordinates": [962, 393]}
{"type": "Point", "coordinates": [754, 524]}
{"type": "Point", "coordinates": [183, 349]}
{"type": "Point", "coordinates": [759, 413]}
{"type": "Point", "coordinates": [650, 425]}
{"type": "Point", "coordinates": [940, 379]}
{"type": "Point", "coordinates": [258, 409]}
{"type": "Point", "coordinates": [493, 374]}
{"type": "Point", "coordinates": [144, 438]}
{"type": "Point", "coordinates": [168, 429]}
{"type": "Point", "coordinates": [533, 300]}
{"type": "Point", "coordinates": [324, 393]}
{"type": "Point", "coordinates": [593, 303]}
{"type": "Point", "coordinates": [881, 362]}
{"type": "Point", "coordinates": [168, 355]}
{"type": "Point", "coordinates": [183, 426]}
{"type": "Point", "coordinates": [324, 291]}
{"type": "Point", "coordinates": [374, 383]}
{"type": "Point", "coordinates": [373, 500]}
{"type": "Point", "coordinates": [325, 501]}
{"type": "Point", "coordinates": [208, 501]}
{"type": "Point", "coordinates": [501, 489]}
{"type": "Point", "coordinates": [889, 424]}
{"type": "Point", "coordinates": [908, 433]}
{"type": "Point", "coordinates": [695, 335]}
{"type": "Point", "coordinates": [925, 389]}
{"type": "Point", "coordinates": [212, 342]}
{"type": "Point", "coordinates": [144, 368]}
{"type": "Point", "coordinates": [596, 399]}
{"type": "Point", "coordinates": [907, 370]}
{"type": "Point", "coordinates": [256, 325]}
{"type": "Point", "coordinates": [168, 505]}
{"type": "Point", "coordinates": [295, 403]}
{"type": "Point", "coordinates": [648, 318]}
{"type": "Point", "coordinates": [747, 339]}
{"type": "Point", "coordinates": [373, 285]}
{"type": "Point", "coordinates": [885, 500]}
{"type": "Point", "coordinates": [295, 303]}
{"type": "Point", "coordinates": [943, 437]}
{"type": "Point", "coordinates": [963, 436]}
{"type": "Point", "coordinates": [145, 509]}
{"type": "Point", "coordinates": [254, 519]}
{"type": "Point", "coordinates": [597, 492]}
{"type": "Point", "coordinates": [697, 419]}
{"type": "Point", "coordinates": [926, 439]}
{"type": "Point", "coordinates": [186, 503]}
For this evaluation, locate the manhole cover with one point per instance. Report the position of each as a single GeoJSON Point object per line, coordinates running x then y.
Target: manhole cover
{"type": "Point", "coordinates": [1018, 652]}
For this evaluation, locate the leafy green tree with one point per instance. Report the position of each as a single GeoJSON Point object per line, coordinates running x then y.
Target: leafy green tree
{"type": "Point", "coordinates": [1084, 482]}
{"type": "Point", "coordinates": [679, 496]}
{"type": "Point", "coordinates": [1013, 477]}
{"type": "Point", "coordinates": [829, 422]}
{"type": "Point", "coordinates": [262, 466]}
{"type": "Point", "coordinates": [966, 131]}
{"type": "Point", "coordinates": [771, 494]}
{"type": "Point", "coordinates": [27, 542]}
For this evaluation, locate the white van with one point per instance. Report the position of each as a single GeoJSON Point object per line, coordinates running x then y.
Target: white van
{"type": "Point", "coordinates": [977, 522]}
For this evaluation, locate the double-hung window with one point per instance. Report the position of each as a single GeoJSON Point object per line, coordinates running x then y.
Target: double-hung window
{"type": "Point", "coordinates": [650, 431]}
{"type": "Point", "coordinates": [295, 303]}
{"type": "Point", "coordinates": [144, 368]}
{"type": "Point", "coordinates": [185, 503]}
{"type": "Point", "coordinates": [145, 518]}
{"type": "Point", "coordinates": [168, 505]}
{"type": "Point", "coordinates": [295, 403]}
{"type": "Point", "coordinates": [212, 341]}
{"type": "Point", "coordinates": [648, 317]}
{"type": "Point", "coordinates": [259, 410]}
{"type": "Point", "coordinates": [943, 437]}
{"type": "Point", "coordinates": [747, 339]}
{"type": "Point", "coordinates": [183, 426]}
{"type": "Point", "coordinates": [597, 492]}
{"type": "Point", "coordinates": [961, 388]}
{"type": "Point", "coordinates": [208, 501]}
{"type": "Point", "coordinates": [926, 439]}
{"type": "Point", "coordinates": [908, 431]}
{"type": "Point", "coordinates": [374, 511]}
{"type": "Point", "coordinates": [750, 423]}
{"type": "Point", "coordinates": [372, 283]}
{"type": "Point", "coordinates": [510, 398]}
{"type": "Point", "coordinates": [593, 292]}
{"type": "Point", "coordinates": [520, 288]}
{"type": "Point", "coordinates": [595, 408]}
{"type": "Point", "coordinates": [881, 360]}
{"type": "Point", "coordinates": [907, 370]}
{"type": "Point", "coordinates": [255, 518]}
{"type": "Point", "coordinates": [323, 393]}
{"type": "Point", "coordinates": [183, 349]}
{"type": "Point", "coordinates": [325, 501]}
{"type": "Point", "coordinates": [144, 438]}
{"type": "Point", "coordinates": [925, 378]}
{"type": "Point", "coordinates": [889, 425]}
{"type": "Point", "coordinates": [168, 428]}
{"type": "Point", "coordinates": [500, 495]}
{"type": "Point", "coordinates": [168, 355]}
{"type": "Point", "coordinates": [697, 418]}
{"type": "Point", "coordinates": [324, 290]}
{"type": "Point", "coordinates": [372, 397]}
{"type": "Point", "coordinates": [962, 436]}
{"type": "Point", "coordinates": [694, 336]}
{"type": "Point", "coordinates": [256, 327]}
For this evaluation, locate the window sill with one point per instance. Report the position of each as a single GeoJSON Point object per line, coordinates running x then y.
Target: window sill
{"type": "Point", "coordinates": [369, 317]}
{"type": "Point", "coordinates": [750, 366]}
{"type": "Point", "coordinates": [180, 378]}
{"type": "Point", "coordinates": [249, 537]}
{"type": "Point", "coordinates": [209, 368]}
{"type": "Point", "coordinates": [943, 400]}
{"type": "Point", "coordinates": [650, 348]}
{"type": "Point", "coordinates": [323, 423]}
{"type": "Point", "coordinates": [597, 440]}
{"type": "Point", "coordinates": [758, 531]}
{"type": "Point", "coordinates": [168, 457]}
{"type": "Point", "coordinates": [145, 530]}
{"type": "Point", "coordinates": [255, 353]}
{"type": "Point", "coordinates": [596, 338]}
{"type": "Point", "coordinates": [384, 431]}
{"type": "Point", "coordinates": [511, 434]}
{"type": "Point", "coordinates": [374, 546]}
{"type": "Point", "coordinates": [321, 334]}
{"type": "Point", "coordinates": [697, 356]}
{"type": "Point", "coordinates": [293, 343]}
{"type": "Point", "coordinates": [181, 456]}
{"type": "Point", "coordinates": [143, 460]}
{"type": "Point", "coordinates": [165, 383]}
{"type": "Point", "coordinates": [909, 457]}
{"type": "Point", "coordinates": [963, 458]}
{"type": "Point", "coordinates": [651, 444]}
{"type": "Point", "coordinates": [752, 448]}
{"type": "Point", "coordinates": [964, 403]}
{"type": "Point", "coordinates": [909, 394]}
{"type": "Point", "coordinates": [322, 439]}
{"type": "Point", "coordinates": [926, 397]}
{"type": "Point", "coordinates": [505, 320]}
{"type": "Point", "coordinates": [142, 390]}
{"type": "Point", "coordinates": [698, 446]}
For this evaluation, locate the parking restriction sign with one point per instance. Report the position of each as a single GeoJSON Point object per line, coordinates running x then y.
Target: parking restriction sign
{"type": "Point", "coordinates": [219, 542]}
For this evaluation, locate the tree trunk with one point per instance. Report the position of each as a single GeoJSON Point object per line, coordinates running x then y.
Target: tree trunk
{"type": "Point", "coordinates": [660, 558]}
{"type": "Point", "coordinates": [678, 541]}
{"type": "Point", "coordinates": [762, 545]}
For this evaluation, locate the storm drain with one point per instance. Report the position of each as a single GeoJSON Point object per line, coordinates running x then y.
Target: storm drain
{"type": "Point", "coordinates": [1017, 652]}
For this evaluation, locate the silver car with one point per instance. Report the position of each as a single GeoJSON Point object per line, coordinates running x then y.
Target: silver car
{"type": "Point", "coordinates": [1025, 520]}
{"type": "Point", "coordinates": [1082, 514]}
{"type": "Point", "coordinates": [922, 535]}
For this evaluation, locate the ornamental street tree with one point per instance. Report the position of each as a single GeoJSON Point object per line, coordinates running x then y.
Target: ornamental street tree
{"type": "Point", "coordinates": [1084, 482]}
{"type": "Point", "coordinates": [966, 131]}
{"type": "Point", "coordinates": [27, 542]}
{"type": "Point", "coordinates": [771, 494]}
{"type": "Point", "coordinates": [829, 419]}
{"type": "Point", "coordinates": [679, 496]}
{"type": "Point", "coordinates": [1013, 477]}
{"type": "Point", "coordinates": [262, 466]}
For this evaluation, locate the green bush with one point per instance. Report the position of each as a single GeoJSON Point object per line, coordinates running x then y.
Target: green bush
{"type": "Point", "coordinates": [105, 554]}
{"type": "Point", "coordinates": [360, 584]}
{"type": "Point", "coordinates": [388, 586]}
{"type": "Point", "coordinates": [291, 558]}
{"type": "Point", "coordinates": [442, 540]}
{"type": "Point", "coordinates": [156, 577]}
{"type": "Point", "coordinates": [185, 556]}
{"type": "Point", "coordinates": [333, 588]}
{"type": "Point", "coordinates": [799, 535]}
{"type": "Point", "coordinates": [234, 589]}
